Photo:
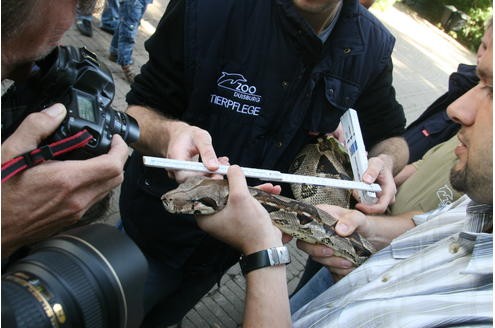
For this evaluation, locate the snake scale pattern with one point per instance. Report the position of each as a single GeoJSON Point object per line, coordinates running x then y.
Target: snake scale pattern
{"type": "Point", "coordinates": [299, 218]}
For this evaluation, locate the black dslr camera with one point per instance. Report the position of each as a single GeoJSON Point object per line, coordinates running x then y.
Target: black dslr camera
{"type": "Point", "coordinates": [74, 77]}
{"type": "Point", "coordinates": [91, 276]}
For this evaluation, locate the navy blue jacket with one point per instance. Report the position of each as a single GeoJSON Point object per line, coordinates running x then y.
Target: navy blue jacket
{"type": "Point", "coordinates": [434, 126]}
{"type": "Point", "coordinates": [254, 74]}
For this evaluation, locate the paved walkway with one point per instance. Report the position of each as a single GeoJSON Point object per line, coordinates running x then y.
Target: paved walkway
{"type": "Point", "coordinates": [423, 57]}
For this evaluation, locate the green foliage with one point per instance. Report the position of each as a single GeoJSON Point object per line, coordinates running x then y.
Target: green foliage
{"type": "Point", "coordinates": [467, 5]}
{"type": "Point", "coordinates": [471, 33]}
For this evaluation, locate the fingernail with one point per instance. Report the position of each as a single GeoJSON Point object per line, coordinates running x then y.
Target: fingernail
{"type": "Point", "coordinates": [213, 160]}
{"type": "Point", "coordinates": [367, 178]}
{"type": "Point", "coordinates": [327, 252]}
{"type": "Point", "coordinates": [345, 264]}
{"type": "Point", "coordinates": [55, 110]}
{"type": "Point", "coordinates": [343, 228]}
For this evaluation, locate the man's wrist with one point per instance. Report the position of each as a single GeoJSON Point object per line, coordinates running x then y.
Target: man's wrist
{"type": "Point", "coordinates": [259, 245]}
{"type": "Point", "coordinates": [265, 258]}
{"type": "Point", "coordinates": [388, 160]}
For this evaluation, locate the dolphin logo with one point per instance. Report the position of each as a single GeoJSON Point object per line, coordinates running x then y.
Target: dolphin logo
{"type": "Point", "coordinates": [230, 79]}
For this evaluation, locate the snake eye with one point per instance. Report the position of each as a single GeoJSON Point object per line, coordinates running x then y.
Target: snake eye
{"type": "Point", "coordinates": [304, 219]}
{"type": "Point", "coordinates": [209, 202]}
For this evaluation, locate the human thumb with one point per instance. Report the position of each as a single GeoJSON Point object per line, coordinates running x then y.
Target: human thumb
{"type": "Point", "coordinates": [35, 128]}
{"type": "Point", "coordinates": [47, 125]}
{"type": "Point", "coordinates": [344, 228]}
{"type": "Point", "coordinates": [56, 111]}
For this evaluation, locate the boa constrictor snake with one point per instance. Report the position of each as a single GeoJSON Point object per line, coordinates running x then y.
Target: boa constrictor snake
{"type": "Point", "coordinates": [298, 218]}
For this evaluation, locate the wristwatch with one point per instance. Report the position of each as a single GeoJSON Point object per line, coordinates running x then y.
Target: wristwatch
{"type": "Point", "coordinates": [268, 257]}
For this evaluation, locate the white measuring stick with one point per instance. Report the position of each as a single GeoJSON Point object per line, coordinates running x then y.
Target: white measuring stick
{"type": "Point", "coordinates": [267, 175]}
{"type": "Point", "coordinates": [357, 153]}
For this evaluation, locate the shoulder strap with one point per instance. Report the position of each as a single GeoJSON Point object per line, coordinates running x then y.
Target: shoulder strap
{"type": "Point", "coordinates": [44, 153]}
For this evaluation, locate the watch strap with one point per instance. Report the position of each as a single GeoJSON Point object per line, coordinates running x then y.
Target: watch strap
{"type": "Point", "coordinates": [265, 258]}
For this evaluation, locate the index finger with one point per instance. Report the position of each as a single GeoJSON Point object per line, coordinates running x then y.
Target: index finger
{"type": "Point", "coordinates": [206, 151]}
{"type": "Point", "coordinates": [314, 250]}
{"type": "Point", "coordinates": [103, 167]}
{"type": "Point", "coordinates": [119, 149]}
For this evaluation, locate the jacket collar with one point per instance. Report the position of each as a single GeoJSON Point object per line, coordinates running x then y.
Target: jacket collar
{"type": "Point", "coordinates": [346, 35]}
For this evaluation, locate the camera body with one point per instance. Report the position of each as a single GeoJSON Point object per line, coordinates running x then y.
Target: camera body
{"type": "Point", "coordinates": [86, 87]}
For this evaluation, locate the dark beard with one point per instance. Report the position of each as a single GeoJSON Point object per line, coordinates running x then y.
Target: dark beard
{"type": "Point", "coordinates": [476, 184]}
{"type": "Point", "coordinates": [458, 179]}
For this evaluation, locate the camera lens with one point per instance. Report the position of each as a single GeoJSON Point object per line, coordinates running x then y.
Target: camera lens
{"type": "Point", "coordinates": [122, 124]}
{"type": "Point", "coordinates": [91, 276]}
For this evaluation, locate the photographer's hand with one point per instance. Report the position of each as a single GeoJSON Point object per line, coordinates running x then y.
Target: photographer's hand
{"type": "Point", "coordinates": [32, 131]}
{"type": "Point", "coordinates": [44, 199]}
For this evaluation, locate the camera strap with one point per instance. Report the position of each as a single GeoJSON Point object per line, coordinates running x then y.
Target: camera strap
{"type": "Point", "coordinates": [44, 153]}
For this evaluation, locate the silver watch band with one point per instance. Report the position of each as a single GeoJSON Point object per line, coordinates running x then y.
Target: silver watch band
{"type": "Point", "coordinates": [278, 255]}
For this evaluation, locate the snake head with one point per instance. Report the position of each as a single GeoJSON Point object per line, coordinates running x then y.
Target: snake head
{"type": "Point", "coordinates": [203, 206]}
{"type": "Point", "coordinates": [197, 195]}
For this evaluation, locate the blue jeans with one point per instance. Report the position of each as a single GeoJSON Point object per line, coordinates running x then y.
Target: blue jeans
{"type": "Point", "coordinates": [320, 282]}
{"type": "Point", "coordinates": [110, 15]}
{"type": "Point", "coordinates": [124, 38]}
{"type": "Point", "coordinates": [80, 16]}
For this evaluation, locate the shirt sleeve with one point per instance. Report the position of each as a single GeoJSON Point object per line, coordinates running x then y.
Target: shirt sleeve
{"type": "Point", "coordinates": [422, 218]}
{"type": "Point", "coordinates": [161, 84]}
{"type": "Point", "coordinates": [417, 164]}
{"type": "Point", "coordinates": [455, 209]}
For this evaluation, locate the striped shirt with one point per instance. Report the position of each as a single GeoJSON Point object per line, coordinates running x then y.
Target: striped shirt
{"type": "Point", "coordinates": [438, 274]}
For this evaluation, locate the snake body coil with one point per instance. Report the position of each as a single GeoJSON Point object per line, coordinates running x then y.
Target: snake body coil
{"type": "Point", "coordinates": [202, 196]}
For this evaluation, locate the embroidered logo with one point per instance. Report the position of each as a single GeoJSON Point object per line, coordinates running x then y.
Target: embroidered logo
{"type": "Point", "coordinates": [445, 195]}
{"type": "Point", "coordinates": [237, 86]}
{"type": "Point", "coordinates": [232, 81]}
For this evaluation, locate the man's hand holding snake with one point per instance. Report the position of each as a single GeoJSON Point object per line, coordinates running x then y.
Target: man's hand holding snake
{"type": "Point", "coordinates": [243, 223]}
{"type": "Point", "coordinates": [378, 230]}
{"type": "Point", "coordinates": [349, 221]}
